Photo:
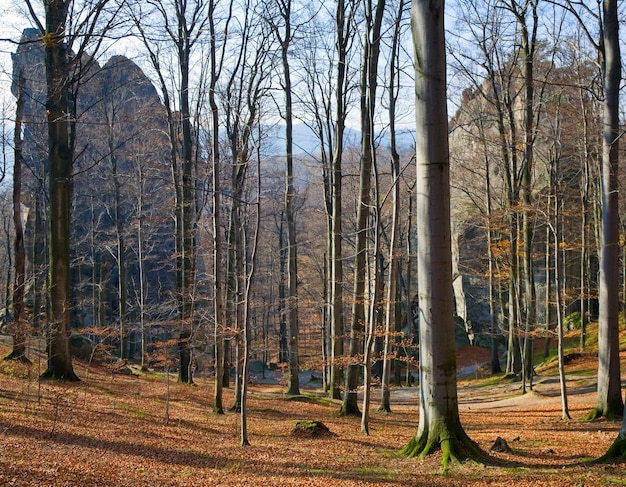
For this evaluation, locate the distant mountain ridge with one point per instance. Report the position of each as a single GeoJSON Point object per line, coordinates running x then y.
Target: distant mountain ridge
{"type": "Point", "coordinates": [306, 142]}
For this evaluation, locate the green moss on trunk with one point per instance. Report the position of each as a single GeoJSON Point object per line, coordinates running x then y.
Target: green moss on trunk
{"type": "Point", "coordinates": [455, 447]}
{"type": "Point", "coordinates": [615, 453]}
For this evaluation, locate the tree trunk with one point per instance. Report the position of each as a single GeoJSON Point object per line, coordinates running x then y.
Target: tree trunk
{"type": "Point", "coordinates": [392, 287]}
{"type": "Point", "coordinates": [218, 284]}
{"type": "Point", "coordinates": [336, 260]}
{"type": "Point", "coordinates": [249, 274]}
{"type": "Point", "coordinates": [19, 325]}
{"type": "Point", "coordinates": [369, 71]}
{"type": "Point", "coordinates": [371, 324]}
{"type": "Point", "coordinates": [292, 260]}
{"type": "Point", "coordinates": [528, 39]}
{"type": "Point", "coordinates": [121, 248]}
{"type": "Point", "coordinates": [439, 423]}
{"type": "Point", "coordinates": [495, 360]}
{"type": "Point", "coordinates": [558, 289]}
{"type": "Point", "coordinates": [188, 206]}
{"type": "Point", "coordinates": [610, 402]}
{"type": "Point", "coordinates": [140, 264]}
{"type": "Point", "coordinates": [60, 155]}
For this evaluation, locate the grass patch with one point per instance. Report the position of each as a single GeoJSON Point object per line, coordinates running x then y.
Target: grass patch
{"type": "Point", "coordinates": [137, 412]}
{"type": "Point", "coordinates": [387, 453]}
{"type": "Point", "coordinates": [311, 399]}
{"type": "Point", "coordinates": [492, 380]}
{"type": "Point", "coordinates": [266, 411]}
{"type": "Point", "coordinates": [14, 368]}
{"type": "Point", "coordinates": [316, 471]}
{"type": "Point", "coordinates": [375, 472]}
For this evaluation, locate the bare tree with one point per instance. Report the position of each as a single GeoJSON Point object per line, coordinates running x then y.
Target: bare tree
{"type": "Point", "coordinates": [392, 286]}
{"type": "Point", "coordinates": [19, 326]}
{"type": "Point", "coordinates": [281, 26]}
{"type": "Point", "coordinates": [63, 70]}
{"type": "Point", "coordinates": [610, 402]}
{"type": "Point", "coordinates": [439, 423]}
{"type": "Point", "coordinates": [368, 86]}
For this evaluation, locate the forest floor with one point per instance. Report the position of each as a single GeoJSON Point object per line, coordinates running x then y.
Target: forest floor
{"type": "Point", "coordinates": [110, 430]}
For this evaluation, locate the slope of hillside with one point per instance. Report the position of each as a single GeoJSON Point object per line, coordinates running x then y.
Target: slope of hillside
{"type": "Point", "coordinates": [110, 429]}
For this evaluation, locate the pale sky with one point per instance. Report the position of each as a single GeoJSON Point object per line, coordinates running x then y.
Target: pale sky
{"type": "Point", "coordinates": [12, 22]}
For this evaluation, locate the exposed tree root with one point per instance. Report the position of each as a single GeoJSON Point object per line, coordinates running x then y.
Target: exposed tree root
{"type": "Point", "coordinates": [349, 406]}
{"type": "Point", "coordinates": [18, 356]}
{"type": "Point", "coordinates": [597, 413]}
{"type": "Point", "coordinates": [348, 410]}
{"type": "Point", "coordinates": [384, 407]}
{"type": "Point", "coordinates": [615, 453]}
{"type": "Point", "coordinates": [454, 449]}
{"type": "Point", "coordinates": [65, 376]}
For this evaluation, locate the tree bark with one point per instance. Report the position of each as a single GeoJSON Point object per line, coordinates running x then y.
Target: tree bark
{"type": "Point", "coordinates": [392, 286]}
{"type": "Point", "coordinates": [218, 283]}
{"type": "Point", "coordinates": [609, 402]}
{"type": "Point", "coordinates": [439, 422]}
{"type": "Point", "coordinates": [369, 72]}
{"type": "Point", "coordinates": [336, 260]}
{"type": "Point", "coordinates": [60, 152]}
{"type": "Point", "coordinates": [19, 326]}
{"type": "Point", "coordinates": [290, 192]}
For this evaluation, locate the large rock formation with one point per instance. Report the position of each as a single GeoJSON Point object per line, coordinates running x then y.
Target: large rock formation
{"type": "Point", "coordinates": [121, 145]}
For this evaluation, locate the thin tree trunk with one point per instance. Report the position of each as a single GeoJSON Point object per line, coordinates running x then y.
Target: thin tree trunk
{"type": "Point", "coordinates": [246, 327]}
{"type": "Point", "coordinates": [392, 288]}
{"type": "Point", "coordinates": [121, 248]}
{"type": "Point", "coordinates": [374, 305]}
{"type": "Point", "coordinates": [140, 264]}
{"type": "Point", "coordinates": [558, 290]}
{"type": "Point", "coordinates": [495, 360]}
{"type": "Point", "coordinates": [19, 325]}
{"type": "Point", "coordinates": [369, 72]}
{"type": "Point", "coordinates": [218, 284]}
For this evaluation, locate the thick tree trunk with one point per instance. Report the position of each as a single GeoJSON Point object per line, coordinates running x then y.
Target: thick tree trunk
{"type": "Point", "coordinates": [610, 402]}
{"type": "Point", "coordinates": [60, 153]}
{"type": "Point", "coordinates": [439, 423]}
{"type": "Point", "coordinates": [188, 209]}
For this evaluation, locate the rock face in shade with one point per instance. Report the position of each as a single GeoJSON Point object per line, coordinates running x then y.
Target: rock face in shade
{"type": "Point", "coordinates": [120, 125]}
